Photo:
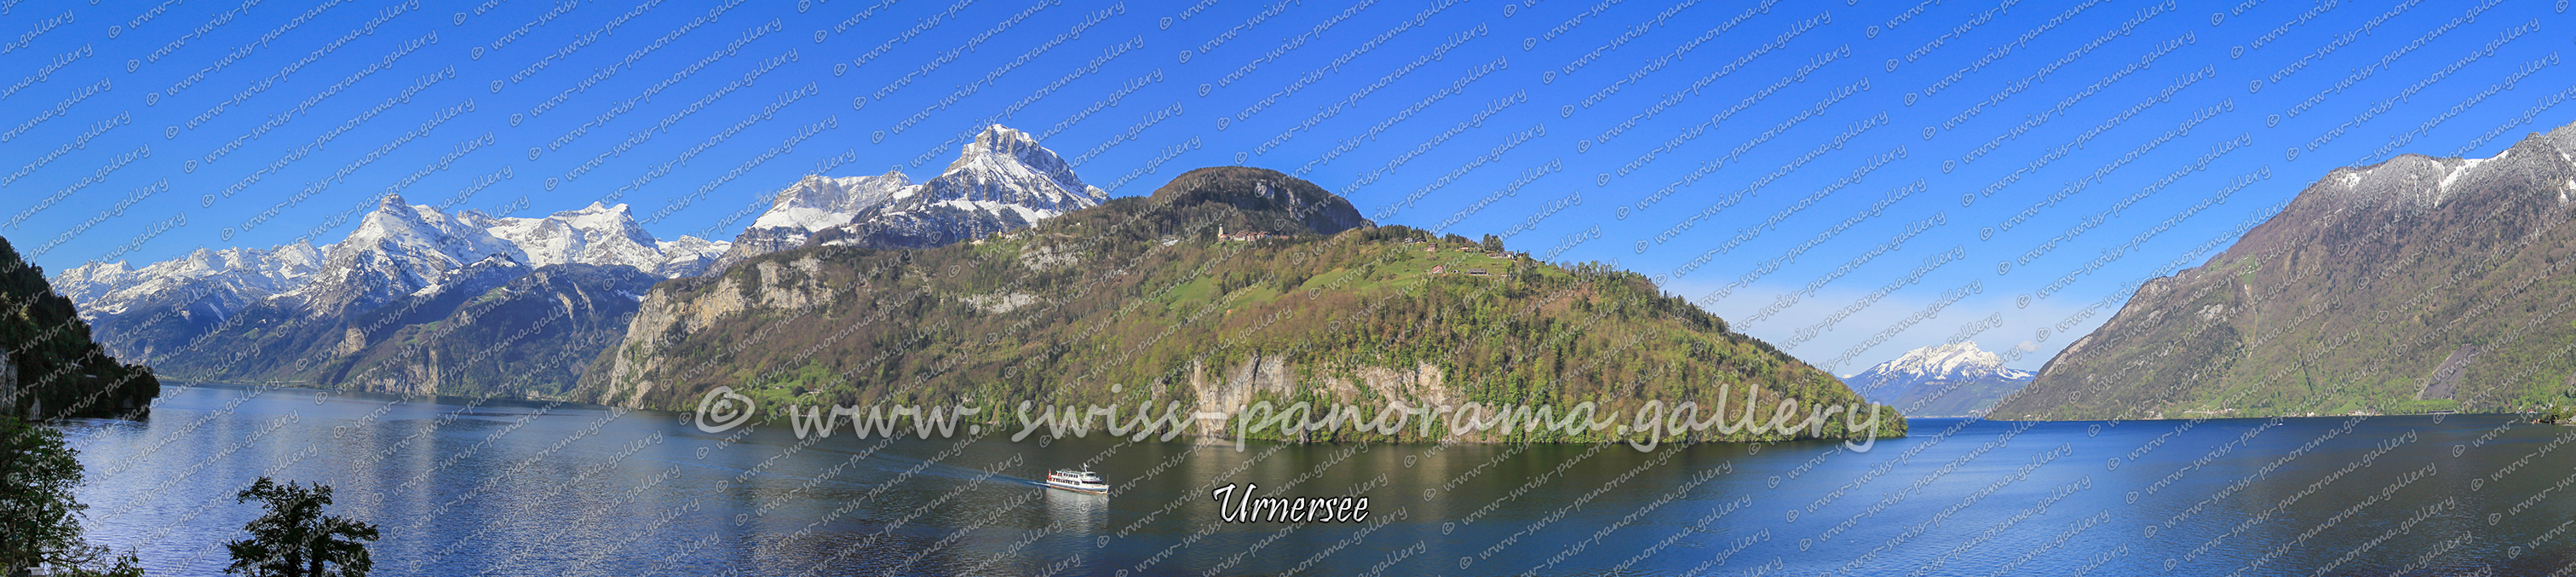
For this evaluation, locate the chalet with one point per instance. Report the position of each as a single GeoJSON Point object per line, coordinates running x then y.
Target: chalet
{"type": "Point", "coordinates": [1476, 271]}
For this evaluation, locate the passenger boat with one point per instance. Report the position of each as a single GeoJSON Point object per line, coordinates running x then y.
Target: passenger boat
{"type": "Point", "coordinates": [1078, 481]}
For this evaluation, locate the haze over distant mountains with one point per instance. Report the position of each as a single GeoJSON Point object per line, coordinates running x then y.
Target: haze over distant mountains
{"type": "Point", "coordinates": [2412, 285]}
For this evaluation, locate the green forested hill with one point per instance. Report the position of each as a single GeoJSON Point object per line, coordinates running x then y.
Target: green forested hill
{"type": "Point", "coordinates": [60, 371]}
{"type": "Point", "coordinates": [1141, 299]}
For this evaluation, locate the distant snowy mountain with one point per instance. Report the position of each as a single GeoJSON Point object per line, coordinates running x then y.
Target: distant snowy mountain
{"type": "Point", "coordinates": [1939, 381]}
{"type": "Point", "coordinates": [223, 279]}
{"type": "Point", "coordinates": [348, 314]}
{"type": "Point", "coordinates": [1003, 181]}
{"type": "Point", "coordinates": [397, 250]}
{"type": "Point", "coordinates": [812, 204]}
{"type": "Point", "coordinates": [689, 256]}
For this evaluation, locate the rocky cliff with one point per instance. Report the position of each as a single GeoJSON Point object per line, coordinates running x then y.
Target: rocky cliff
{"type": "Point", "coordinates": [49, 367]}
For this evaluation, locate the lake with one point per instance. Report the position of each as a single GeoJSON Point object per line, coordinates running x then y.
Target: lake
{"type": "Point", "coordinates": [461, 487]}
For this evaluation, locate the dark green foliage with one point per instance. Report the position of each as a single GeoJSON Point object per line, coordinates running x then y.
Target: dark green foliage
{"type": "Point", "coordinates": [295, 539]}
{"type": "Point", "coordinates": [61, 371]}
{"type": "Point", "coordinates": [39, 520]}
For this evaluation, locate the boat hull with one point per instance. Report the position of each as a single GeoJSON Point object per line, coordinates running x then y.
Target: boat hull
{"type": "Point", "coordinates": [1091, 489]}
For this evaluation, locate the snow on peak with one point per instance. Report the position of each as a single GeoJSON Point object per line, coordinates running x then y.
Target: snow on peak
{"type": "Point", "coordinates": [1961, 360]}
{"type": "Point", "coordinates": [817, 202]}
{"type": "Point", "coordinates": [688, 256]}
{"type": "Point", "coordinates": [598, 234]}
{"type": "Point", "coordinates": [396, 249]}
{"type": "Point", "coordinates": [1005, 165]}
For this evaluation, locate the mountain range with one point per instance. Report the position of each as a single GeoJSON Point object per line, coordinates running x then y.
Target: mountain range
{"type": "Point", "coordinates": [1226, 287]}
{"type": "Point", "coordinates": [2417, 284]}
{"type": "Point", "coordinates": [393, 304]}
{"type": "Point", "coordinates": [1003, 278]}
{"type": "Point", "coordinates": [1952, 380]}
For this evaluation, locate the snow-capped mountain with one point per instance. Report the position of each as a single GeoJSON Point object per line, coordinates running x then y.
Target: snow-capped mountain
{"type": "Point", "coordinates": [812, 204]}
{"type": "Point", "coordinates": [222, 279]}
{"type": "Point", "coordinates": [593, 235]}
{"type": "Point", "coordinates": [1943, 380]}
{"type": "Point", "coordinates": [398, 249]}
{"type": "Point", "coordinates": [1947, 362]}
{"type": "Point", "coordinates": [1002, 181]}
{"type": "Point", "coordinates": [689, 256]}
{"type": "Point", "coordinates": [414, 274]}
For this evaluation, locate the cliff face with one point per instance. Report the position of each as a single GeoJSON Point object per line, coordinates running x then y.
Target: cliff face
{"type": "Point", "coordinates": [2416, 284]}
{"type": "Point", "coordinates": [51, 368]}
{"type": "Point", "coordinates": [531, 337]}
{"type": "Point", "coordinates": [1141, 300]}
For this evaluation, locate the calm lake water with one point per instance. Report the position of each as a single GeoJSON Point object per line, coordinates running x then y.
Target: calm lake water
{"type": "Point", "coordinates": [517, 488]}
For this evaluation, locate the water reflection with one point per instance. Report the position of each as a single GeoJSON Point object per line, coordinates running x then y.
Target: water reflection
{"type": "Point", "coordinates": [513, 488]}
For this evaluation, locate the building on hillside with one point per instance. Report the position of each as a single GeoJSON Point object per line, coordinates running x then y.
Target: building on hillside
{"type": "Point", "coordinates": [1245, 236]}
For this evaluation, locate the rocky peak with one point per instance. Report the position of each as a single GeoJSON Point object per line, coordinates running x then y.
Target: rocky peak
{"type": "Point", "coordinates": [688, 256]}
{"type": "Point", "coordinates": [1005, 165]}
{"type": "Point", "coordinates": [816, 201]}
{"type": "Point", "coordinates": [1002, 181]}
{"type": "Point", "coordinates": [597, 234]}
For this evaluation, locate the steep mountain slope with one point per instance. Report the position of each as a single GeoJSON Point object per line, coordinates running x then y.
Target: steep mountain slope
{"type": "Point", "coordinates": [2416, 284]}
{"type": "Point", "coordinates": [51, 367]}
{"type": "Point", "coordinates": [1002, 181]}
{"type": "Point", "coordinates": [529, 337]}
{"type": "Point", "coordinates": [1139, 300]}
{"type": "Point", "coordinates": [1954, 380]}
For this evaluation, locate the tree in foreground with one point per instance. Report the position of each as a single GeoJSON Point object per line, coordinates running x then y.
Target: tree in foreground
{"type": "Point", "coordinates": [39, 519]}
{"type": "Point", "coordinates": [295, 539]}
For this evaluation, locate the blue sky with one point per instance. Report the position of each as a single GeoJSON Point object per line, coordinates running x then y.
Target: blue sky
{"type": "Point", "coordinates": [1845, 180]}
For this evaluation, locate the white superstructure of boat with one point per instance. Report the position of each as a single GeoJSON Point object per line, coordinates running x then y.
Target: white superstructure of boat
{"type": "Point", "coordinates": [1076, 480]}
